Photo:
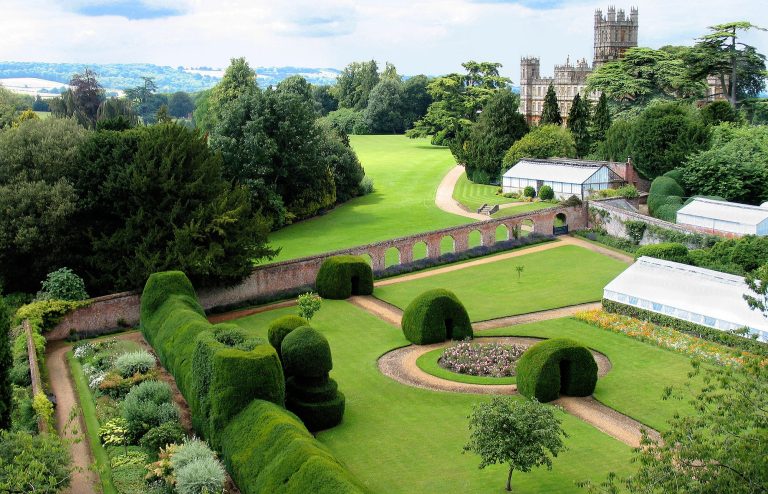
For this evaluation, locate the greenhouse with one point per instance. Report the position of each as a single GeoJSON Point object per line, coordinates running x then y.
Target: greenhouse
{"type": "Point", "coordinates": [702, 296]}
{"type": "Point", "coordinates": [567, 177]}
{"type": "Point", "coordinates": [722, 216]}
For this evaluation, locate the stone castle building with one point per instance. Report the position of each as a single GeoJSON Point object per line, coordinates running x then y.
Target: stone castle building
{"type": "Point", "coordinates": [614, 34]}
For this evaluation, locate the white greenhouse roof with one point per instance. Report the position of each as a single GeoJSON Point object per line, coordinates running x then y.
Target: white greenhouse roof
{"type": "Point", "coordinates": [554, 170]}
{"type": "Point", "coordinates": [689, 288]}
{"type": "Point", "coordinates": [725, 211]}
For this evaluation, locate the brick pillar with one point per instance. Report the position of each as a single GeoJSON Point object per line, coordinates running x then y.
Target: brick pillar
{"type": "Point", "coordinates": [406, 252]}
{"type": "Point", "coordinates": [433, 247]}
{"type": "Point", "coordinates": [378, 259]}
{"type": "Point", "coordinates": [488, 236]}
{"type": "Point", "coordinates": [461, 241]}
{"type": "Point", "coordinates": [543, 225]}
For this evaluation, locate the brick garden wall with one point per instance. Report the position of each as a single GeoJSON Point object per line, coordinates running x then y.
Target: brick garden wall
{"type": "Point", "coordinates": [273, 279]}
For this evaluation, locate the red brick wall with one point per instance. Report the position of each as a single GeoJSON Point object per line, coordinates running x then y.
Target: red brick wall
{"type": "Point", "coordinates": [272, 279]}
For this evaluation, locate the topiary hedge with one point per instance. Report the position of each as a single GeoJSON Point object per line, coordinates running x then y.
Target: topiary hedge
{"type": "Point", "coordinates": [669, 251]}
{"type": "Point", "coordinates": [221, 373]}
{"type": "Point", "coordinates": [546, 193]}
{"type": "Point", "coordinates": [280, 327]}
{"type": "Point", "coordinates": [662, 188]}
{"type": "Point", "coordinates": [556, 366]}
{"type": "Point", "coordinates": [279, 456]}
{"type": "Point", "coordinates": [313, 396]}
{"type": "Point", "coordinates": [435, 316]}
{"type": "Point", "coordinates": [340, 277]}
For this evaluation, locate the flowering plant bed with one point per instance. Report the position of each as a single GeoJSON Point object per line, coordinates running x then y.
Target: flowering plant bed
{"type": "Point", "coordinates": [481, 359]}
{"type": "Point", "coordinates": [664, 337]}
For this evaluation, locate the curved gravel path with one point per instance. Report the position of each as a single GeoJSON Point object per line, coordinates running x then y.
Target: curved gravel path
{"type": "Point", "coordinates": [444, 197]}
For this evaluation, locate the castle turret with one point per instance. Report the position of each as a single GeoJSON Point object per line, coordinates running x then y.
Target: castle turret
{"type": "Point", "coordinates": [529, 72]}
{"type": "Point", "coordinates": [614, 34]}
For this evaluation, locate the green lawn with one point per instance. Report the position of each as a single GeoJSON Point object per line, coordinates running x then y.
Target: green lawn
{"type": "Point", "coordinates": [473, 195]}
{"type": "Point", "coordinates": [399, 439]}
{"type": "Point", "coordinates": [558, 277]}
{"type": "Point", "coordinates": [640, 371]}
{"type": "Point", "coordinates": [522, 208]}
{"type": "Point", "coordinates": [406, 173]}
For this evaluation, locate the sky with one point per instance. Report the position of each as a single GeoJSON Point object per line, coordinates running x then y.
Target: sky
{"type": "Point", "coordinates": [418, 36]}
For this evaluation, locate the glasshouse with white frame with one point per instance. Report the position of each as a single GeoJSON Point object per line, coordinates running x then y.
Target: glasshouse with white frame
{"type": "Point", "coordinates": [722, 216]}
{"type": "Point", "coordinates": [702, 296]}
{"type": "Point", "coordinates": [567, 177]}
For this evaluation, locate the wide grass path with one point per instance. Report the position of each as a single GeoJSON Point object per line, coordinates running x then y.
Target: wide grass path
{"type": "Point", "coordinates": [552, 278]}
{"type": "Point", "coordinates": [406, 174]}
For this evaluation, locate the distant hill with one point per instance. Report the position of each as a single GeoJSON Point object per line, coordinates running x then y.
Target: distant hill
{"type": "Point", "coordinates": [168, 79]}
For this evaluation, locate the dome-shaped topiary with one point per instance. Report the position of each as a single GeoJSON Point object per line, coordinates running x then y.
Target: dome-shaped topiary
{"type": "Point", "coordinates": [280, 327]}
{"type": "Point", "coordinates": [435, 316]}
{"type": "Point", "coordinates": [556, 366]}
{"type": "Point", "coordinates": [340, 277]}
{"type": "Point", "coordinates": [306, 353]}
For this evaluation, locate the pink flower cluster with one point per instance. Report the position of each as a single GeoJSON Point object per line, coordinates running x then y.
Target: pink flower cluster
{"type": "Point", "coordinates": [476, 359]}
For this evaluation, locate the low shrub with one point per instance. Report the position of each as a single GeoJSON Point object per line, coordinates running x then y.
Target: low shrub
{"type": "Point", "coordinates": [668, 251]}
{"type": "Point", "coordinates": [202, 476]}
{"type": "Point", "coordinates": [556, 366]}
{"type": "Point", "coordinates": [340, 277]}
{"type": "Point", "coordinates": [189, 452]}
{"type": "Point", "coordinates": [306, 353]}
{"type": "Point", "coordinates": [138, 362]}
{"type": "Point", "coordinates": [529, 191]}
{"type": "Point", "coordinates": [435, 316]}
{"type": "Point", "coordinates": [161, 436]}
{"type": "Point", "coordinates": [280, 456]}
{"type": "Point", "coordinates": [146, 406]}
{"type": "Point", "coordinates": [280, 327]}
{"type": "Point", "coordinates": [546, 193]}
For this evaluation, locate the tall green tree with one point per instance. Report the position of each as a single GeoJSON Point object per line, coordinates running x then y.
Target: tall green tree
{"type": "Point", "coordinates": [601, 120]}
{"type": "Point", "coordinates": [522, 433]}
{"type": "Point", "coordinates": [384, 114]}
{"type": "Point", "coordinates": [6, 362]}
{"type": "Point", "coordinates": [578, 124]}
{"type": "Point", "coordinates": [325, 101]}
{"type": "Point", "coordinates": [239, 80]}
{"type": "Point", "coordinates": [179, 214]}
{"type": "Point", "coordinates": [82, 100]}
{"type": "Point", "coordinates": [416, 99]}
{"type": "Point", "coordinates": [498, 127]}
{"type": "Point", "coordinates": [355, 83]}
{"type": "Point", "coordinates": [544, 141]}
{"type": "Point", "coordinates": [740, 68]}
{"type": "Point", "coordinates": [550, 113]}
{"type": "Point", "coordinates": [180, 105]}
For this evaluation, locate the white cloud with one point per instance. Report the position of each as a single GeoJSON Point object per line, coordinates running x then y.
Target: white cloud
{"type": "Point", "coordinates": [419, 36]}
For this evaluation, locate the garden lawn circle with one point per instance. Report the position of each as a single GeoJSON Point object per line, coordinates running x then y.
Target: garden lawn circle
{"type": "Point", "coordinates": [401, 365]}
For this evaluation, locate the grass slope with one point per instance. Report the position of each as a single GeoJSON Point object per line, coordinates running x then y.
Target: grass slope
{"type": "Point", "coordinates": [399, 439]}
{"type": "Point", "coordinates": [558, 277]}
{"type": "Point", "coordinates": [406, 173]}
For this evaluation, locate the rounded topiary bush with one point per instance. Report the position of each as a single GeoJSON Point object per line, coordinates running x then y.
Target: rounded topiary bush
{"type": "Point", "coordinates": [546, 193]}
{"type": "Point", "coordinates": [340, 277]}
{"type": "Point", "coordinates": [556, 366]}
{"type": "Point", "coordinates": [306, 353]}
{"type": "Point", "coordinates": [529, 191]}
{"type": "Point", "coordinates": [280, 327]}
{"type": "Point", "coordinates": [138, 362]}
{"type": "Point", "coordinates": [670, 251]}
{"type": "Point", "coordinates": [318, 415]}
{"type": "Point", "coordinates": [434, 316]}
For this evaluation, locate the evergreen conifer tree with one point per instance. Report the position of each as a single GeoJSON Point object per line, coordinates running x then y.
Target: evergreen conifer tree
{"type": "Point", "coordinates": [578, 124]}
{"type": "Point", "coordinates": [550, 114]}
{"type": "Point", "coordinates": [6, 361]}
{"type": "Point", "coordinates": [601, 120]}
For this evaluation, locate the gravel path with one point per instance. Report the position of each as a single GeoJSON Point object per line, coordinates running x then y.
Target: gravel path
{"type": "Point", "coordinates": [444, 197]}
{"type": "Point", "coordinates": [83, 480]}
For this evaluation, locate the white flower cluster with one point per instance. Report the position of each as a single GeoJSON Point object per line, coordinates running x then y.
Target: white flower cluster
{"type": "Point", "coordinates": [84, 350]}
{"type": "Point", "coordinates": [94, 376]}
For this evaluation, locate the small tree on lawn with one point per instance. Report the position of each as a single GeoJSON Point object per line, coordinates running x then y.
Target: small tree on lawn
{"type": "Point", "coordinates": [519, 270]}
{"type": "Point", "coordinates": [309, 303]}
{"type": "Point", "coordinates": [520, 432]}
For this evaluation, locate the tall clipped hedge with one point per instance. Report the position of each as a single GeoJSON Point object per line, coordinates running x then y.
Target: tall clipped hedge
{"type": "Point", "coordinates": [267, 449]}
{"type": "Point", "coordinates": [224, 375]}
{"type": "Point", "coordinates": [431, 316]}
{"type": "Point", "coordinates": [340, 277]}
{"type": "Point", "coordinates": [555, 366]}
{"type": "Point", "coordinates": [662, 188]}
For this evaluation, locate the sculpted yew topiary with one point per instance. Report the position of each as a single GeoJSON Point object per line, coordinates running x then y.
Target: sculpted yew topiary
{"type": "Point", "coordinates": [340, 277]}
{"type": "Point", "coordinates": [555, 366]}
{"type": "Point", "coordinates": [435, 316]}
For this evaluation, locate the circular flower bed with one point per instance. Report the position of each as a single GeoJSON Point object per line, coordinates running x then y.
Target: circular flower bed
{"type": "Point", "coordinates": [481, 359]}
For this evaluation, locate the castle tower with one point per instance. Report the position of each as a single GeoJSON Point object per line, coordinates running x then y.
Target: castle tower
{"type": "Point", "coordinates": [529, 72]}
{"type": "Point", "coordinates": [614, 34]}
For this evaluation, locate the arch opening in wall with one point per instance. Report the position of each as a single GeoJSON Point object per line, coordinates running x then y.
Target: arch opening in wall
{"type": "Point", "coordinates": [392, 257]}
{"type": "Point", "coordinates": [560, 224]}
{"type": "Point", "coordinates": [420, 250]}
{"type": "Point", "coordinates": [447, 245]}
{"type": "Point", "coordinates": [367, 258]}
{"type": "Point", "coordinates": [474, 239]}
{"type": "Point", "coordinates": [526, 227]}
{"type": "Point", "coordinates": [502, 233]}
